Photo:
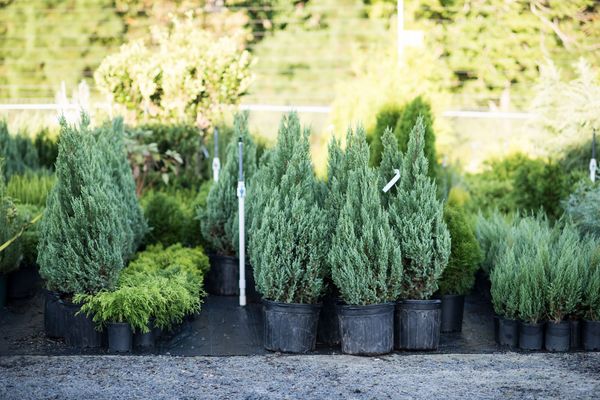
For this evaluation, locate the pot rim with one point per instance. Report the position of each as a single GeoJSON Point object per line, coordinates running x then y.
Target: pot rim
{"type": "Point", "coordinates": [272, 303]}
{"type": "Point", "coordinates": [109, 324]}
{"type": "Point", "coordinates": [452, 296]}
{"type": "Point", "coordinates": [413, 301]}
{"type": "Point", "coordinates": [530, 325]}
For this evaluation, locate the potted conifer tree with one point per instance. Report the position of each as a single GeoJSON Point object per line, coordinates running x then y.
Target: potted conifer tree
{"type": "Point", "coordinates": [219, 220]}
{"type": "Point", "coordinates": [365, 259]}
{"type": "Point", "coordinates": [459, 275]}
{"type": "Point", "coordinates": [591, 304]}
{"type": "Point", "coordinates": [9, 227]}
{"type": "Point", "coordinates": [82, 234]}
{"type": "Point", "coordinates": [416, 217]}
{"type": "Point", "coordinates": [287, 241]}
{"type": "Point", "coordinates": [569, 258]}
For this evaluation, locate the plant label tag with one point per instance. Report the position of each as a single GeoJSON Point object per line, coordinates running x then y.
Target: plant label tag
{"type": "Point", "coordinates": [393, 181]}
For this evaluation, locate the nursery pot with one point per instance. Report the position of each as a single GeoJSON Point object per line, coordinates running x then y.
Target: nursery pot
{"type": "Point", "coordinates": [328, 331]}
{"type": "Point", "coordinates": [222, 279]}
{"type": "Point", "coordinates": [290, 327]}
{"type": "Point", "coordinates": [496, 329]}
{"type": "Point", "coordinates": [80, 330]}
{"type": "Point", "coordinates": [53, 315]}
{"type": "Point", "coordinates": [143, 340]}
{"type": "Point", "coordinates": [119, 337]}
{"type": "Point", "coordinates": [418, 324]}
{"type": "Point", "coordinates": [575, 336]}
{"type": "Point", "coordinates": [453, 306]}
{"type": "Point", "coordinates": [531, 336]}
{"type": "Point", "coordinates": [367, 330]}
{"type": "Point", "coordinates": [508, 332]}
{"type": "Point", "coordinates": [558, 336]}
{"type": "Point", "coordinates": [2, 290]}
{"type": "Point", "coordinates": [591, 335]}
{"type": "Point", "coordinates": [23, 282]}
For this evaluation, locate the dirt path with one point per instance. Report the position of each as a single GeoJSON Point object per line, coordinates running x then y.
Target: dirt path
{"type": "Point", "coordinates": [428, 376]}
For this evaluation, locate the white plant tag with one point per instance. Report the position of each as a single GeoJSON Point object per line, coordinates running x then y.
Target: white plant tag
{"type": "Point", "coordinates": [393, 181]}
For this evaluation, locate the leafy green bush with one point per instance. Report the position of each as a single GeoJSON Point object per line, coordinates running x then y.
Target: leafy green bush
{"type": "Point", "coordinates": [167, 218]}
{"type": "Point", "coordinates": [47, 149]}
{"type": "Point", "coordinates": [465, 254]}
{"type": "Point", "coordinates": [491, 233]}
{"type": "Point", "coordinates": [9, 227]}
{"type": "Point", "coordinates": [219, 220]}
{"type": "Point", "coordinates": [81, 233]}
{"type": "Point", "coordinates": [287, 226]}
{"type": "Point", "coordinates": [30, 238]}
{"type": "Point", "coordinates": [416, 216]}
{"type": "Point", "coordinates": [31, 187]}
{"type": "Point", "coordinates": [365, 258]}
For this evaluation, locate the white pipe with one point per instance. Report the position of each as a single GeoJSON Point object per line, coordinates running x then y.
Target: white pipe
{"type": "Point", "coordinates": [241, 193]}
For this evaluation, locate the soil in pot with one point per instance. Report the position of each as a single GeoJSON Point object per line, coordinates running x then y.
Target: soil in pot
{"type": "Point", "coordinates": [418, 324]}
{"type": "Point", "coordinates": [328, 331]}
{"type": "Point", "coordinates": [508, 332]}
{"type": "Point", "coordinates": [23, 282]}
{"type": "Point", "coordinates": [2, 290]}
{"type": "Point", "coordinates": [591, 335]}
{"type": "Point", "coordinates": [558, 336]}
{"type": "Point", "coordinates": [120, 337]}
{"type": "Point", "coordinates": [53, 315]}
{"type": "Point", "coordinates": [453, 306]}
{"type": "Point", "coordinates": [290, 328]}
{"type": "Point", "coordinates": [531, 336]}
{"type": "Point", "coordinates": [575, 335]}
{"type": "Point", "coordinates": [80, 330]}
{"type": "Point", "coordinates": [367, 330]}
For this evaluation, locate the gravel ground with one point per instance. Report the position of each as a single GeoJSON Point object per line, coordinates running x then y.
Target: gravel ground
{"type": "Point", "coordinates": [426, 376]}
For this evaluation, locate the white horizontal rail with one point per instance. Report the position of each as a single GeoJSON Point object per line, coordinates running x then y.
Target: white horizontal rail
{"type": "Point", "coordinates": [300, 109]}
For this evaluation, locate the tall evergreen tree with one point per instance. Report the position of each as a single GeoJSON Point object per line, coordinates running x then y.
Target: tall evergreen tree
{"type": "Point", "coordinates": [219, 220]}
{"type": "Point", "coordinates": [416, 215]}
{"type": "Point", "coordinates": [365, 258]}
{"type": "Point", "coordinates": [391, 160]}
{"type": "Point", "coordinates": [110, 142]}
{"type": "Point", "coordinates": [81, 234]}
{"type": "Point", "coordinates": [288, 229]}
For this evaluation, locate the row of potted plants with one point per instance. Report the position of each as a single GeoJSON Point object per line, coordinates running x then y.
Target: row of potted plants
{"type": "Point", "coordinates": [545, 282]}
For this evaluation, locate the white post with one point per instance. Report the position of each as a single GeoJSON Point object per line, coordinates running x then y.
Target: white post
{"type": "Point", "coordinates": [241, 193]}
{"type": "Point", "coordinates": [593, 164]}
{"type": "Point", "coordinates": [216, 164]}
{"type": "Point", "coordinates": [400, 25]}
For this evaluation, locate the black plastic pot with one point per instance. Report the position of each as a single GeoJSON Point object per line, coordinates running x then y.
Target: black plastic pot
{"type": "Point", "coordinates": [2, 290]}
{"type": "Point", "coordinates": [53, 315]}
{"type": "Point", "coordinates": [80, 330]}
{"type": "Point", "coordinates": [367, 330]}
{"type": "Point", "coordinates": [575, 336]}
{"type": "Point", "coordinates": [156, 331]}
{"type": "Point", "coordinates": [453, 306]}
{"type": "Point", "coordinates": [143, 340]}
{"type": "Point", "coordinates": [119, 337]}
{"type": "Point", "coordinates": [558, 336]}
{"type": "Point", "coordinates": [290, 328]}
{"type": "Point", "coordinates": [418, 324]}
{"type": "Point", "coordinates": [508, 332]}
{"type": "Point", "coordinates": [531, 336]}
{"type": "Point", "coordinates": [23, 282]}
{"type": "Point", "coordinates": [328, 331]}
{"type": "Point", "coordinates": [496, 329]}
{"type": "Point", "coordinates": [591, 335]}
{"type": "Point", "coordinates": [223, 278]}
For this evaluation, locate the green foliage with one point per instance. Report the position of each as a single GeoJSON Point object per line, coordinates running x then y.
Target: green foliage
{"type": "Point", "coordinates": [583, 208]}
{"type": "Point", "coordinates": [387, 118]}
{"type": "Point", "coordinates": [9, 227]}
{"type": "Point", "coordinates": [365, 258]}
{"type": "Point", "coordinates": [219, 220]}
{"type": "Point", "coordinates": [591, 288]}
{"type": "Point", "coordinates": [491, 233]}
{"type": "Point", "coordinates": [418, 108]}
{"type": "Point", "coordinates": [569, 259]}
{"type": "Point", "coordinates": [30, 237]}
{"type": "Point", "coordinates": [465, 254]}
{"type": "Point", "coordinates": [81, 234]}
{"type": "Point", "coordinates": [109, 139]}
{"type": "Point", "coordinates": [391, 161]}
{"type": "Point", "coordinates": [287, 226]}
{"type": "Point", "coordinates": [210, 72]}
{"type": "Point", "coordinates": [31, 187]}
{"type": "Point", "coordinates": [416, 216]}
{"type": "Point", "coordinates": [166, 218]}
{"type": "Point", "coordinates": [47, 149]}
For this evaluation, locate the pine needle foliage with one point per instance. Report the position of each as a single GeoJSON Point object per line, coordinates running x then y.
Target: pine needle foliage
{"type": "Point", "coordinates": [591, 284]}
{"type": "Point", "coordinates": [109, 139]}
{"type": "Point", "coordinates": [9, 227]}
{"type": "Point", "coordinates": [288, 225]}
{"type": "Point", "coordinates": [81, 234]}
{"type": "Point", "coordinates": [390, 161]}
{"type": "Point", "coordinates": [387, 119]}
{"type": "Point", "coordinates": [491, 233]}
{"type": "Point", "coordinates": [365, 257]}
{"type": "Point", "coordinates": [219, 220]}
{"type": "Point", "coordinates": [416, 216]}
{"type": "Point", "coordinates": [465, 254]}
